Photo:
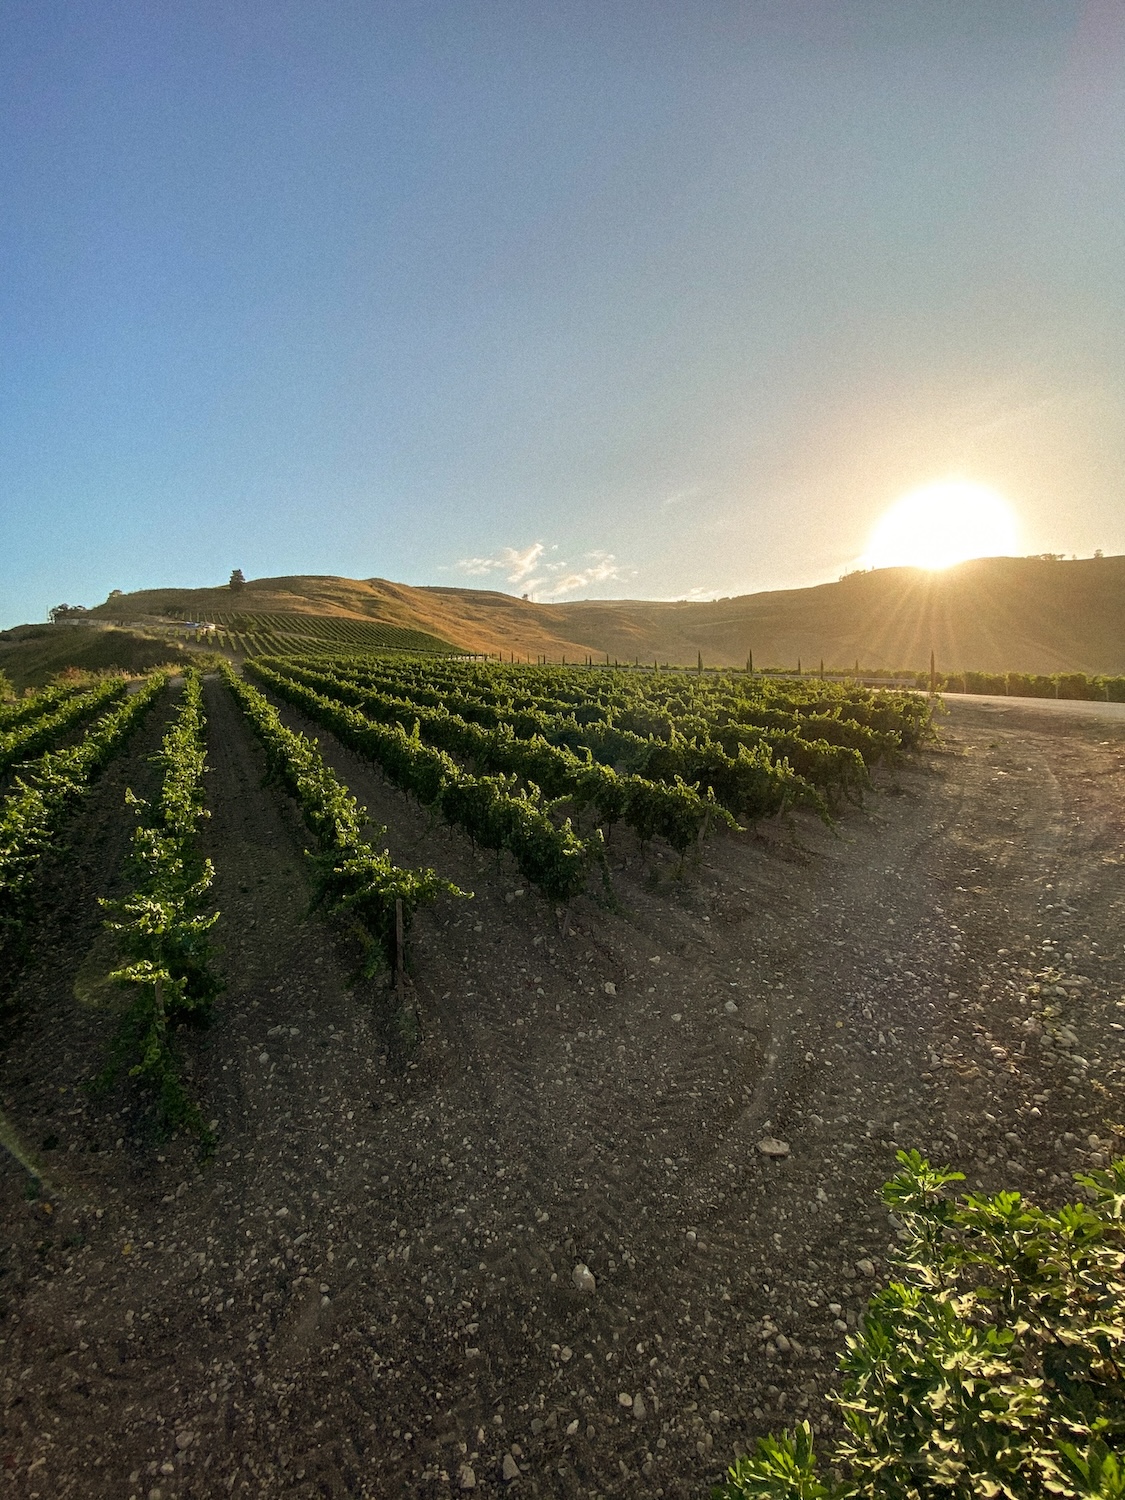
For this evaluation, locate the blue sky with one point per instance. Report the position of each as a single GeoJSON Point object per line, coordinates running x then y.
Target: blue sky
{"type": "Point", "coordinates": [606, 299]}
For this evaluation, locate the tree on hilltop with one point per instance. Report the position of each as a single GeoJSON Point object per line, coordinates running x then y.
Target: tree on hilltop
{"type": "Point", "coordinates": [238, 579]}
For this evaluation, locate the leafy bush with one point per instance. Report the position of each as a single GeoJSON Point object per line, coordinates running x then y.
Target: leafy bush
{"type": "Point", "coordinates": [993, 1367]}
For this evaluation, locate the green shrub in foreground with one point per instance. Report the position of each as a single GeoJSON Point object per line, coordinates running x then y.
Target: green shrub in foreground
{"type": "Point", "coordinates": [993, 1367]}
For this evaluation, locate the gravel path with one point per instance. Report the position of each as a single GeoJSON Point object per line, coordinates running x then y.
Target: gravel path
{"type": "Point", "coordinates": [376, 1287]}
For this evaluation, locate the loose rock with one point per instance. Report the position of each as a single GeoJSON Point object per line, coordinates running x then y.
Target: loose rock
{"type": "Point", "coordinates": [584, 1278]}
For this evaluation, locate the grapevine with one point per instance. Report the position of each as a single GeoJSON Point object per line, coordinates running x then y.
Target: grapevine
{"type": "Point", "coordinates": [40, 733]}
{"type": "Point", "coordinates": [160, 926]}
{"type": "Point", "coordinates": [351, 876]}
{"type": "Point", "coordinates": [33, 813]}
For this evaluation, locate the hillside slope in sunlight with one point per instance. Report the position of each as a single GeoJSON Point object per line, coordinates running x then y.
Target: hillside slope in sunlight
{"type": "Point", "coordinates": [991, 614]}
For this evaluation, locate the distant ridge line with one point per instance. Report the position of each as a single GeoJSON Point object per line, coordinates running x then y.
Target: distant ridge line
{"type": "Point", "coordinates": [991, 614]}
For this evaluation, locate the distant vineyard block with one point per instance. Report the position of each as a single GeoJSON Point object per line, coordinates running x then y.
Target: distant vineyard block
{"type": "Point", "coordinates": [260, 634]}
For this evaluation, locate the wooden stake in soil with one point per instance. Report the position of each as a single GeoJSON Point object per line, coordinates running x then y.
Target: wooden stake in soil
{"type": "Point", "coordinates": [400, 954]}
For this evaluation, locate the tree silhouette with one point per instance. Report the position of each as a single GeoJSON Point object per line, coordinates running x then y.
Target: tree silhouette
{"type": "Point", "coordinates": [238, 579]}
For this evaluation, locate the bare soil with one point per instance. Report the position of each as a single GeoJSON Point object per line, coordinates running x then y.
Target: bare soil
{"type": "Point", "coordinates": [369, 1290]}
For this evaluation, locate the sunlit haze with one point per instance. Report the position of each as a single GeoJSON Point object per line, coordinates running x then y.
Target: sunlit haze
{"type": "Point", "coordinates": [580, 300]}
{"type": "Point", "coordinates": [941, 524]}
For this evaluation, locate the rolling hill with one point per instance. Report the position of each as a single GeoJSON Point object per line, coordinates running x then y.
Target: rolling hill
{"type": "Point", "coordinates": [991, 614]}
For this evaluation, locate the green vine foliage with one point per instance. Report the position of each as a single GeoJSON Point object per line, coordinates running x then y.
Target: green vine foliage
{"type": "Point", "coordinates": [647, 705]}
{"type": "Point", "coordinates": [993, 1366]}
{"type": "Point", "coordinates": [351, 876]}
{"type": "Point", "coordinates": [33, 813]}
{"type": "Point", "coordinates": [676, 812]}
{"type": "Point", "coordinates": [17, 711]}
{"type": "Point", "coordinates": [40, 732]}
{"type": "Point", "coordinates": [161, 926]}
{"type": "Point", "coordinates": [490, 809]}
{"type": "Point", "coordinates": [684, 740]}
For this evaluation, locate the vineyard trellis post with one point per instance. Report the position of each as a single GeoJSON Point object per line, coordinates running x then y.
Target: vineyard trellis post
{"type": "Point", "coordinates": [400, 953]}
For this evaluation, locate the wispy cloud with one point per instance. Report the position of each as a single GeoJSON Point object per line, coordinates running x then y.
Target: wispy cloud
{"type": "Point", "coordinates": [678, 497]}
{"type": "Point", "coordinates": [514, 564]}
{"type": "Point", "coordinates": [528, 568]}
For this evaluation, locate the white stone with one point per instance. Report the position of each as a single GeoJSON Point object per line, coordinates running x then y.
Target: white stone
{"type": "Point", "coordinates": [511, 1469]}
{"type": "Point", "coordinates": [771, 1146]}
{"type": "Point", "coordinates": [584, 1278]}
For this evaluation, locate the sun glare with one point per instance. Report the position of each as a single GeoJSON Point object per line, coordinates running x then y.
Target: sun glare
{"type": "Point", "coordinates": [941, 524]}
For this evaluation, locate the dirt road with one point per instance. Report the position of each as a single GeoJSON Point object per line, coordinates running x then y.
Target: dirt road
{"type": "Point", "coordinates": [371, 1292]}
{"type": "Point", "coordinates": [1053, 708]}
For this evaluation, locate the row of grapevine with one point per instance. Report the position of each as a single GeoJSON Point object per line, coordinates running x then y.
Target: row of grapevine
{"type": "Point", "coordinates": [875, 723]}
{"type": "Point", "coordinates": [284, 631]}
{"type": "Point", "coordinates": [489, 809]}
{"type": "Point", "coordinates": [754, 778]}
{"type": "Point", "coordinates": [160, 925]}
{"type": "Point", "coordinates": [37, 734]}
{"type": "Point", "coordinates": [1090, 687]}
{"type": "Point", "coordinates": [352, 877]}
{"type": "Point", "coordinates": [33, 812]}
{"type": "Point", "coordinates": [674, 811]}
{"type": "Point", "coordinates": [34, 705]}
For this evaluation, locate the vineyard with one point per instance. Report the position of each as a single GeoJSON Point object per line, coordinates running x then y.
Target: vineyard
{"type": "Point", "coordinates": [253, 634]}
{"type": "Point", "coordinates": [407, 1058]}
{"type": "Point", "coordinates": [540, 764]}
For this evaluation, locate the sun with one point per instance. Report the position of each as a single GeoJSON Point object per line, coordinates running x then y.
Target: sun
{"type": "Point", "coordinates": [941, 524]}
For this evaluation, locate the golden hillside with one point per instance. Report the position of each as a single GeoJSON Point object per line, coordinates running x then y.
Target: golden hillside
{"type": "Point", "coordinates": [992, 614]}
